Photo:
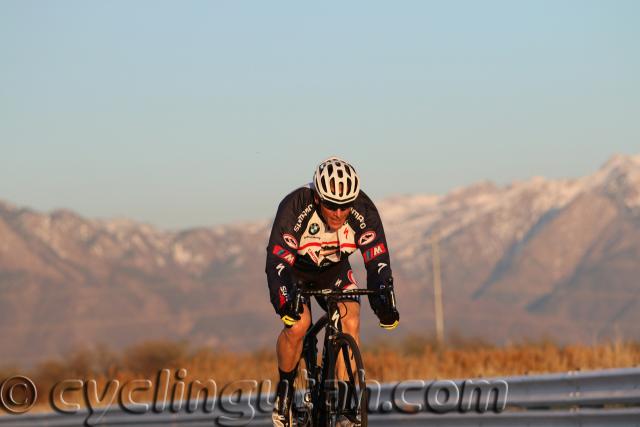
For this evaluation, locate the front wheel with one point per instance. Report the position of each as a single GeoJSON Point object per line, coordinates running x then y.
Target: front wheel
{"type": "Point", "coordinates": [347, 390]}
{"type": "Point", "coordinates": [302, 405]}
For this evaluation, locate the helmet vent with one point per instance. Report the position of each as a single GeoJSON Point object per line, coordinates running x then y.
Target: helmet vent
{"type": "Point", "coordinates": [337, 181]}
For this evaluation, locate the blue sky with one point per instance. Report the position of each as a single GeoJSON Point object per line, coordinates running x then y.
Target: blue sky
{"type": "Point", "coordinates": [189, 113]}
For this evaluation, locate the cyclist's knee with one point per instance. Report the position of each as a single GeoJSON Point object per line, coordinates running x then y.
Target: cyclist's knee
{"type": "Point", "coordinates": [350, 313]}
{"type": "Point", "coordinates": [297, 331]}
{"type": "Point", "coordinates": [351, 325]}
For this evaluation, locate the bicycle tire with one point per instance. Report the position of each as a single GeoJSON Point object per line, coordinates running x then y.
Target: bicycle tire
{"type": "Point", "coordinates": [350, 394]}
{"type": "Point", "coordinates": [305, 384]}
{"type": "Point", "coordinates": [302, 406]}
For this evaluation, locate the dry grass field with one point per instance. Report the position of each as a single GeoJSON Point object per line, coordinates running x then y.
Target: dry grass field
{"type": "Point", "coordinates": [414, 358]}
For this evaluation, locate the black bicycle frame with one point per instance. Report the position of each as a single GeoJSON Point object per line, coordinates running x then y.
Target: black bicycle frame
{"type": "Point", "coordinates": [330, 322]}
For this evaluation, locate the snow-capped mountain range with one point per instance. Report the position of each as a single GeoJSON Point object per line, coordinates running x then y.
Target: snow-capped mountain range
{"type": "Point", "coordinates": [541, 257]}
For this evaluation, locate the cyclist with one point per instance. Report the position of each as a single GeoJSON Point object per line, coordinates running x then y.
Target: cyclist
{"type": "Point", "coordinates": [315, 230]}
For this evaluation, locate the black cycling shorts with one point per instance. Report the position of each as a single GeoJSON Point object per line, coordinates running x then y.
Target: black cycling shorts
{"type": "Point", "coordinates": [339, 275]}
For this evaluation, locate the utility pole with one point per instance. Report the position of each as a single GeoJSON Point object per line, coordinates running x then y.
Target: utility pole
{"type": "Point", "coordinates": [437, 288]}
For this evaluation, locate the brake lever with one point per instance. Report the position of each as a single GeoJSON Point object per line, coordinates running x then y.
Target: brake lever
{"type": "Point", "coordinates": [390, 293]}
{"type": "Point", "coordinates": [297, 295]}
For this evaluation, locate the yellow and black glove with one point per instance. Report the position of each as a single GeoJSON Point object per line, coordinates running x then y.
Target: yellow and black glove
{"type": "Point", "coordinates": [389, 318]}
{"type": "Point", "coordinates": [384, 306]}
{"type": "Point", "coordinates": [288, 314]}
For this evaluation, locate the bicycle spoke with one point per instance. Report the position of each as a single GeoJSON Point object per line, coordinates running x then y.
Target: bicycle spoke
{"type": "Point", "coordinates": [350, 389]}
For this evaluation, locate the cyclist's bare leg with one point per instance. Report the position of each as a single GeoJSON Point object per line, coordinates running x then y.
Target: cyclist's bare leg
{"type": "Point", "coordinates": [350, 319]}
{"type": "Point", "coordinates": [289, 345]}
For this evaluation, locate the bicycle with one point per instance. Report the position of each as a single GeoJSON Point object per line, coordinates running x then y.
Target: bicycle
{"type": "Point", "coordinates": [320, 397]}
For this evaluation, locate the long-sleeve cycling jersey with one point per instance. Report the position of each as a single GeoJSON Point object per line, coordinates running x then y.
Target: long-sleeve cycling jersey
{"type": "Point", "coordinates": [301, 241]}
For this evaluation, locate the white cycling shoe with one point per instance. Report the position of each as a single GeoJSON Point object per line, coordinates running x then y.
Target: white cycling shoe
{"type": "Point", "coordinates": [343, 421]}
{"type": "Point", "coordinates": [278, 419]}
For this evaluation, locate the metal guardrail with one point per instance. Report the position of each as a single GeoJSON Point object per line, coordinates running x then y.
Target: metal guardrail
{"type": "Point", "coordinates": [594, 398]}
{"type": "Point", "coordinates": [562, 390]}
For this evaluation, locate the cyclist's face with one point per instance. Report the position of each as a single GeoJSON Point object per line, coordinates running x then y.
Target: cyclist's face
{"type": "Point", "coordinates": [335, 218]}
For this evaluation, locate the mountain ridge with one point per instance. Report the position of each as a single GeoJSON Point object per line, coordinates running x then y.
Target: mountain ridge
{"type": "Point", "coordinates": [533, 258]}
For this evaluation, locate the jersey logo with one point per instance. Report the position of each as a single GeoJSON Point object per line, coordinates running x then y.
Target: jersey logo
{"type": "Point", "coordinates": [381, 265]}
{"type": "Point", "coordinates": [366, 238]}
{"type": "Point", "coordinates": [346, 233]}
{"type": "Point", "coordinates": [302, 216]}
{"type": "Point", "coordinates": [314, 229]}
{"type": "Point", "coordinates": [280, 267]}
{"type": "Point", "coordinates": [335, 318]}
{"type": "Point", "coordinates": [313, 256]}
{"type": "Point", "coordinates": [290, 241]}
{"type": "Point", "coordinates": [374, 252]}
{"type": "Point", "coordinates": [359, 217]}
{"type": "Point", "coordinates": [284, 296]}
{"type": "Point", "coordinates": [284, 254]}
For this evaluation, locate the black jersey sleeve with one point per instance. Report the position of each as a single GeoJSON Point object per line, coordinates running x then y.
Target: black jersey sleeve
{"type": "Point", "coordinates": [372, 242]}
{"type": "Point", "coordinates": [282, 248]}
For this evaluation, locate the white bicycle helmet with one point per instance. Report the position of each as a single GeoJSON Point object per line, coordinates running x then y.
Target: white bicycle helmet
{"type": "Point", "coordinates": [336, 181]}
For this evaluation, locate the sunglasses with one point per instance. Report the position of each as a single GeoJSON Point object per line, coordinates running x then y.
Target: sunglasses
{"type": "Point", "coordinates": [335, 206]}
